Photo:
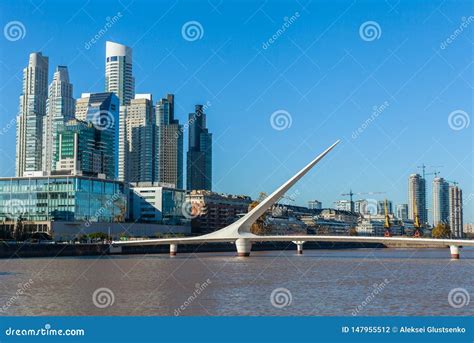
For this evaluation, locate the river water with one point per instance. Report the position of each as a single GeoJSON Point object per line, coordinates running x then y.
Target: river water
{"type": "Point", "coordinates": [363, 282]}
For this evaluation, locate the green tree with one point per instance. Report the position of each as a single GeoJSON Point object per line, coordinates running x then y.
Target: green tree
{"type": "Point", "coordinates": [441, 230]}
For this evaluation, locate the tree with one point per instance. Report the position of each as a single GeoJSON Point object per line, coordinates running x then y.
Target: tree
{"type": "Point", "coordinates": [441, 230]}
{"type": "Point", "coordinates": [353, 231]}
{"type": "Point", "coordinates": [259, 227]}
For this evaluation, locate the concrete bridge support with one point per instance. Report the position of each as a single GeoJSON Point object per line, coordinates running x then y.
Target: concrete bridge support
{"type": "Point", "coordinates": [243, 246]}
{"type": "Point", "coordinates": [299, 247]}
{"type": "Point", "coordinates": [454, 252]}
{"type": "Point", "coordinates": [173, 249]}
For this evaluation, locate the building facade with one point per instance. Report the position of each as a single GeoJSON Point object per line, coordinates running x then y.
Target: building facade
{"type": "Point", "coordinates": [169, 143]}
{"type": "Point", "coordinates": [315, 205]}
{"type": "Point", "coordinates": [342, 205]}
{"type": "Point", "coordinates": [417, 196]}
{"type": "Point", "coordinates": [211, 211]}
{"type": "Point", "coordinates": [440, 201]}
{"type": "Point", "coordinates": [402, 211]}
{"type": "Point", "coordinates": [381, 207]}
{"type": "Point", "coordinates": [60, 107]}
{"type": "Point", "coordinates": [154, 202]}
{"type": "Point", "coordinates": [101, 109]}
{"type": "Point", "coordinates": [119, 72]}
{"type": "Point", "coordinates": [199, 157]}
{"type": "Point", "coordinates": [32, 109]}
{"type": "Point", "coordinates": [455, 211]}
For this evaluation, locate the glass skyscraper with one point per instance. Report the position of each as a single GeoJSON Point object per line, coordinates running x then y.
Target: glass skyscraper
{"type": "Point", "coordinates": [30, 118]}
{"type": "Point", "coordinates": [440, 201]}
{"type": "Point", "coordinates": [417, 196]}
{"type": "Point", "coordinates": [60, 108]}
{"type": "Point", "coordinates": [199, 157]}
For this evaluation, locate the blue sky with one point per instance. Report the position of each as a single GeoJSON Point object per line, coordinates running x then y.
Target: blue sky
{"type": "Point", "coordinates": [326, 73]}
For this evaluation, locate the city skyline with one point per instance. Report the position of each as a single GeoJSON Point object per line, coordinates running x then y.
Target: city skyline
{"type": "Point", "coordinates": [290, 143]}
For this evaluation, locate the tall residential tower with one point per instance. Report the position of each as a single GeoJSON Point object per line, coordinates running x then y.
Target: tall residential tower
{"type": "Point", "coordinates": [440, 201]}
{"type": "Point", "coordinates": [455, 211]}
{"type": "Point", "coordinates": [417, 196]}
{"type": "Point", "coordinates": [30, 117]}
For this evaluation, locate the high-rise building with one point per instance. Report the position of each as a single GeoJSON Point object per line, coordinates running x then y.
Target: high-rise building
{"type": "Point", "coordinates": [31, 112]}
{"type": "Point", "coordinates": [169, 143]}
{"type": "Point", "coordinates": [417, 195]}
{"type": "Point", "coordinates": [455, 211]}
{"type": "Point", "coordinates": [342, 205]}
{"type": "Point", "coordinates": [315, 205]}
{"type": "Point", "coordinates": [101, 109]}
{"type": "Point", "coordinates": [60, 108]}
{"type": "Point", "coordinates": [139, 157]}
{"type": "Point", "coordinates": [118, 72]}
{"type": "Point", "coordinates": [402, 211]}
{"type": "Point", "coordinates": [199, 158]}
{"type": "Point", "coordinates": [361, 206]}
{"type": "Point", "coordinates": [381, 207]}
{"type": "Point", "coordinates": [440, 201]}
{"type": "Point", "coordinates": [80, 150]}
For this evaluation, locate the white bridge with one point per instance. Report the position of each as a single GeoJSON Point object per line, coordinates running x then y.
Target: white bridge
{"type": "Point", "coordinates": [239, 231]}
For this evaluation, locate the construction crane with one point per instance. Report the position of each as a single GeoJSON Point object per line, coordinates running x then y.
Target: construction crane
{"type": "Point", "coordinates": [423, 168]}
{"type": "Point", "coordinates": [350, 194]}
{"type": "Point", "coordinates": [387, 225]}
{"type": "Point", "coordinates": [435, 173]}
{"type": "Point", "coordinates": [453, 182]}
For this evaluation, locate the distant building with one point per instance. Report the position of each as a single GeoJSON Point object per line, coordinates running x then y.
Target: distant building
{"type": "Point", "coordinates": [211, 211]}
{"type": "Point", "coordinates": [169, 143]}
{"type": "Point", "coordinates": [361, 206]}
{"type": "Point", "coordinates": [32, 109]}
{"type": "Point", "coordinates": [455, 211]}
{"type": "Point", "coordinates": [157, 203]}
{"type": "Point", "coordinates": [402, 211]}
{"type": "Point", "coordinates": [101, 109]}
{"type": "Point", "coordinates": [199, 158]}
{"type": "Point", "coordinates": [119, 72]}
{"type": "Point", "coordinates": [374, 226]}
{"type": "Point", "coordinates": [440, 201]}
{"type": "Point", "coordinates": [417, 195]}
{"type": "Point", "coordinates": [315, 205]}
{"type": "Point", "coordinates": [60, 108]}
{"type": "Point", "coordinates": [381, 207]}
{"type": "Point", "coordinates": [342, 205]}
{"type": "Point", "coordinates": [468, 229]}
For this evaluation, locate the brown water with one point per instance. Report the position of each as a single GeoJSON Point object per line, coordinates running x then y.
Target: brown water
{"type": "Point", "coordinates": [321, 282]}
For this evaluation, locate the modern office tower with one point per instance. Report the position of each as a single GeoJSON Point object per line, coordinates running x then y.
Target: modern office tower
{"type": "Point", "coordinates": [455, 211]}
{"type": "Point", "coordinates": [199, 158]}
{"type": "Point", "coordinates": [361, 206]}
{"type": "Point", "coordinates": [402, 211]}
{"type": "Point", "coordinates": [417, 195]}
{"type": "Point", "coordinates": [80, 150]}
{"type": "Point", "coordinates": [169, 144]}
{"type": "Point", "coordinates": [31, 112]}
{"type": "Point", "coordinates": [381, 207]}
{"type": "Point", "coordinates": [315, 205]}
{"type": "Point", "coordinates": [342, 205]}
{"type": "Point", "coordinates": [118, 72]}
{"type": "Point", "coordinates": [101, 109]}
{"type": "Point", "coordinates": [137, 162]}
{"type": "Point", "coordinates": [440, 201]}
{"type": "Point", "coordinates": [60, 108]}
